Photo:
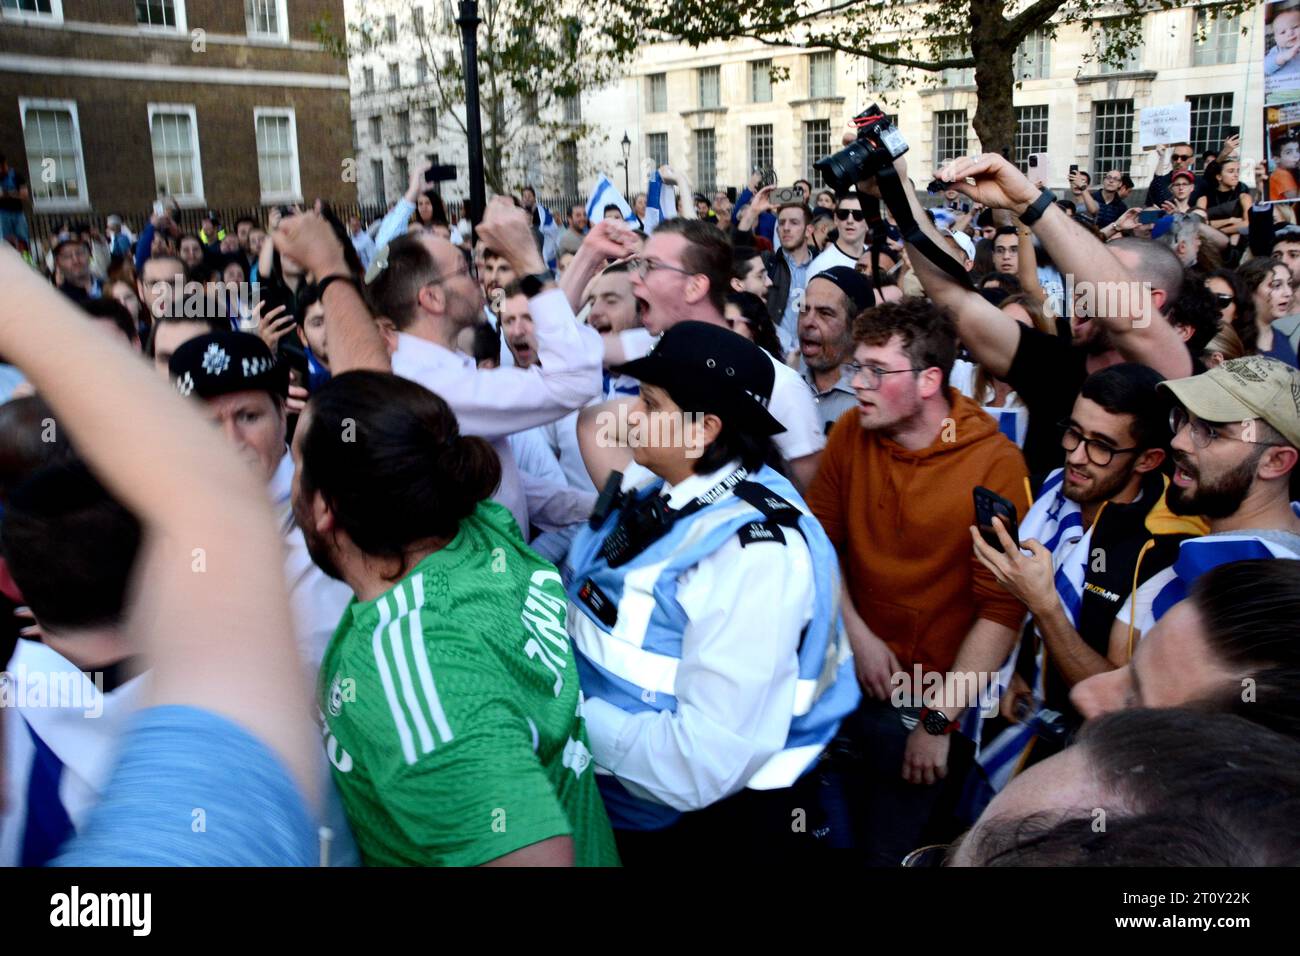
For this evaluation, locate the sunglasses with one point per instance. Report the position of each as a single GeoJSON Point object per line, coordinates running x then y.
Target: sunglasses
{"type": "Point", "coordinates": [1185, 157]}
{"type": "Point", "coordinates": [1223, 298]}
{"type": "Point", "coordinates": [843, 215]}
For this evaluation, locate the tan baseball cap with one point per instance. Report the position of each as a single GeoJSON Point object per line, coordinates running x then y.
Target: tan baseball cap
{"type": "Point", "coordinates": [1242, 389]}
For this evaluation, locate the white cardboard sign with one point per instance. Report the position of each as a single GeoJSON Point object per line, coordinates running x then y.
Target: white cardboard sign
{"type": "Point", "coordinates": [1165, 124]}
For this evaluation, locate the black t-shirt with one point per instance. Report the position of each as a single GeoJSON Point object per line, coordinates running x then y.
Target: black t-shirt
{"type": "Point", "coordinates": [1224, 204]}
{"type": "Point", "coordinates": [1047, 373]}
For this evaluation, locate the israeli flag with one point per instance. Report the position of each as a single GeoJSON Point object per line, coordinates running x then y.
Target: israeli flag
{"type": "Point", "coordinates": [550, 231]}
{"type": "Point", "coordinates": [661, 203]}
{"type": "Point", "coordinates": [607, 194]}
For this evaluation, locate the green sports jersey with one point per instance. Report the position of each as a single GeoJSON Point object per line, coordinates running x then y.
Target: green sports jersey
{"type": "Point", "coordinates": [452, 710]}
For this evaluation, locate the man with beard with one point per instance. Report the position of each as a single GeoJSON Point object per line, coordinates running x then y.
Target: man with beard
{"type": "Point", "coordinates": [1123, 295]}
{"type": "Point", "coordinates": [831, 302]}
{"type": "Point", "coordinates": [1108, 500]}
{"type": "Point", "coordinates": [1236, 434]}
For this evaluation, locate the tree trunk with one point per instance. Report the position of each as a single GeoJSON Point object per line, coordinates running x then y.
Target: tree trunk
{"type": "Point", "coordinates": [995, 117]}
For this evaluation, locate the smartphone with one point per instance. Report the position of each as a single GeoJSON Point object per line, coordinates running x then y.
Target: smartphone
{"type": "Point", "coordinates": [990, 505]}
{"type": "Point", "coordinates": [1033, 159]}
{"type": "Point", "coordinates": [1041, 163]}
{"type": "Point", "coordinates": [786, 194]}
{"type": "Point", "coordinates": [1074, 168]}
{"type": "Point", "coordinates": [1149, 216]}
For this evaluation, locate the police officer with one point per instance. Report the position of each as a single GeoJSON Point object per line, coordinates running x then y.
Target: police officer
{"type": "Point", "coordinates": [704, 610]}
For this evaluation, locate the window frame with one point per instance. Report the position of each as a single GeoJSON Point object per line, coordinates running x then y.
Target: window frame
{"type": "Point", "coordinates": [709, 185]}
{"type": "Point", "coordinates": [35, 16]}
{"type": "Point", "coordinates": [178, 7]}
{"type": "Point", "coordinates": [760, 71]}
{"type": "Point", "coordinates": [281, 19]}
{"type": "Point", "coordinates": [1214, 37]}
{"type": "Point", "coordinates": [940, 116]}
{"type": "Point", "coordinates": [289, 112]}
{"type": "Point", "coordinates": [1098, 168]}
{"type": "Point", "coordinates": [712, 71]}
{"type": "Point", "coordinates": [1198, 141]}
{"type": "Point", "coordinates": [56, 205]}
{"type": "Point", "coordinates": [1041, 67]}
{"type": "Point", "coordinates": [815, 57]}
{"type": "Point", "coordinates": [754, 134]}
{"type": "Point", "coordinates": [1023, 145]}
{"type": "Point", "coordinates": [196, 198]}
{"type": "Point", "coordinates": [651, 104]}
{"type": "Point", "coordinates": [812, 175]}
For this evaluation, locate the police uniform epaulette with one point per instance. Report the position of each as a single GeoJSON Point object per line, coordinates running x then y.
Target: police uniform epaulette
{"type": "Point", "coordinates": [774, 507]}
{"type": "Point", "coordinates": [758, 531]}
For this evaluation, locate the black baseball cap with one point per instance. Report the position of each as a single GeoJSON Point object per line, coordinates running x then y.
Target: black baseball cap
{"type": "Point", "coordinates": [708, 368]}
{"type": "Point", "coordinates": [852, 283]}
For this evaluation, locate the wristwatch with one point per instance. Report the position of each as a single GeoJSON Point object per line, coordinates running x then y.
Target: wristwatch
{"type": "Point", "coordinates": [532, 285]}
{"type": "Point", "coordinates": [936, 722]}
{"type": "Point", "coordinates": [1036, 208]}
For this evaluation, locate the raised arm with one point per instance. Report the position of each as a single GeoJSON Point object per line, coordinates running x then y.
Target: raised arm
{"type": "Point", "coordinates": [354, 338]}
{"type": "Point", "coordinates": [210, 609]}
{"type": "Point", "coordinates": [1138, 332]}
{"type": "Point", "coordinates": [605, 240]}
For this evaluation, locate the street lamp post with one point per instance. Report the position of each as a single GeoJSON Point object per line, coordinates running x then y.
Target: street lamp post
{"type": "Point", "coordinates": [469, 22]}
{"type": "Point", "coordinates": [627, 153]}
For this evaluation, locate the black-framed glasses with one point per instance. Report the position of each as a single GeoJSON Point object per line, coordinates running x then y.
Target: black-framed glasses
{"type": "Point", "coordinates": [843, 215]}
{"type": "Point", "coordinates": [643, 266]}
{"type": "Point", "coordinates": [1204, 433]}
{"type": "Point", "coordinates": [872, 375]}
{"type": "Point", "coordinates": [1100, 453]}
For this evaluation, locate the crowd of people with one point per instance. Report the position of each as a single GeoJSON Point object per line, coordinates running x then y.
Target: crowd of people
{"type": "Point", "coordinates": [632, 538]}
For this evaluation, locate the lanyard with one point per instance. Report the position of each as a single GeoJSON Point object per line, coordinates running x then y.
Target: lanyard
{"type": "Point", "coordinates": [643, 521]}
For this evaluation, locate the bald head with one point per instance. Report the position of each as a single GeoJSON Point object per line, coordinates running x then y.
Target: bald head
{"type": "Point", "coordinates": [1152, 262]}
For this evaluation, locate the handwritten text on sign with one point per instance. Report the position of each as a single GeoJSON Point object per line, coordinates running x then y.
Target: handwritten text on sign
{"type": "Point", "coordinates": [1165, 124]}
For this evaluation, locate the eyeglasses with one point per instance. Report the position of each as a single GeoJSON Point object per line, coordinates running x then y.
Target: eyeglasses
{"type": "Point", "coordinates": [643, 266]}
{"type": "Point", "coordinates": [872, 374]}
{"type": "Point", "coordinates": [843, 215]}
{"type": "Point", "coordinates": [1204, 433]}
{"type": "Point", "coordinates": [1183, 157]}
{"type": "Point", "coordinates": [1100, 453]}
{"type": "Point", "coordinates": [1224, 299]}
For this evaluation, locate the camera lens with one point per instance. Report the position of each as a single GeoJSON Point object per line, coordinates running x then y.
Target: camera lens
{"type": "Point", "coordinates": [845, 168]}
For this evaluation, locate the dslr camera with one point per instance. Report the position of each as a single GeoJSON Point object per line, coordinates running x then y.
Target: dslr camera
{"type": "Point", "coordinates": [878, 144]}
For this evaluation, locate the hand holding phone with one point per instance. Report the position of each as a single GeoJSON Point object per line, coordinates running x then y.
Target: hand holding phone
{"type": "Point", "coordinates": [990, 505]}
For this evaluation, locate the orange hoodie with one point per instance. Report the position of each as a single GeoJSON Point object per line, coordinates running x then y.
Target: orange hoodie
{"type": "Point", "coordinates": [900, 521]}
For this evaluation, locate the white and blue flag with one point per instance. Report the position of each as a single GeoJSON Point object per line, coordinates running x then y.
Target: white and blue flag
{"type": "Point", "coordinates": [661, 203]}
{"type": "Point", "coordinates": [607, 194]}
{"type": "Point", "coordinates": [550, 230]}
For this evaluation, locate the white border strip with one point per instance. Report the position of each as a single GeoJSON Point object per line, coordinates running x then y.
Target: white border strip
{"type": "Point", "coordinates": [163, 73]}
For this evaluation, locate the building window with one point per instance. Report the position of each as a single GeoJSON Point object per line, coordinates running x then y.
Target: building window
{"type": "Point", "coordinates": [52, 136]}
{"type": "Point", "coordinates": [422, 69]}
{"type": "Point", "coordinates": [277, 154]}
{"type": "Point", "coordinates": [176, 168]}
{"type": "Point", "coordinates": [656, 147]}
{"type": "Point", "coordinates": [369, 74]}
{"type": "Point", "coordinates": [404, 126]}
{"type": "Point", "coordinates": [883, 76]}
{"type": "Point", "coordinates": [169, 14]}
{"type": "Point", "coordinates": [657, 93]}
{"type": "Point", "coordinates": [1034, 56]}
{"type": "Point", "coordinates": [569, 167]}
{"type": "Point", "coordinates": [43, 9]}
{"type": "Point", "coordinates": [953, 48]}
{"type": "Point", "coordinates": [760, 147]}
{"type": "Point", "coordinates": [376, 130]}
{"type": "Point", "coordinates": [1211, 117]}
{"type": "Point", "coordinates": [1031, 133]}
{"type": "Point", "coordinates": [1113, 38]}
{"type": "Point", "coordinates": [390, 29]}
{"type": "Point", "coordinates": [573, 108]}
{"type": "Point", "coordinates": [448, 12]}
{"type": "Point", "coordinates": [710, 85]}
{"type": "Point", "coordinates": [816, 145]}
{"type": "Point", "coordinates": [821, 74]}
{"type": "Point", "coordinates": [394, 76]}
{"type": "Point", "coordinates": [1112, 136]}
{"type": "Point", "coordinates": [403, 168]}
{"type": "Point", "coordinates": [950, 127]}
{"type": "Point", "coordinates": [706, 161]}
{"type": "Point", "coordinates": [431, 122]}
{"type": "Point", "coordinates": [1215, 39]}
{"type": "Point", "coordinates": [377, 175]}
{"type": "Point", "coordinates": [266, 19]}
{"type": "Point", "coordinates": [417, 21]}
{"type": "Point", "coordinates": [760, 81]}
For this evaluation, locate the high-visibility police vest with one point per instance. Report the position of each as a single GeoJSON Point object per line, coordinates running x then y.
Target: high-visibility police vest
{"type": "Point", "coordinates": [627, 628]}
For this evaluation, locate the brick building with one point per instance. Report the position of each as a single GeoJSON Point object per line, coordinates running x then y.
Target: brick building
{"type": "Point", "coordinates": [219, 103]}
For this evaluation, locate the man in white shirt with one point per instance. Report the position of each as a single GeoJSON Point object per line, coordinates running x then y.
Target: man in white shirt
{"type": "Point", "coordinates": [847, 248]}
{"type": "Point", "coordinates": [423, 286]}
{"type": "Point", "coordinates": [683, 276]}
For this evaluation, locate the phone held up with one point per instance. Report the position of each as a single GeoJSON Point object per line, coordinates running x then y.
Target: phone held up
{"type": "Point", "coordinates": [990, 505]}
{"type": "Point", "coordinates": [786, 194]}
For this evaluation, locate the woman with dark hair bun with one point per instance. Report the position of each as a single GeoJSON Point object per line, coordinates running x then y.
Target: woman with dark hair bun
{"type": "Point", "coordinates": [449, 690]}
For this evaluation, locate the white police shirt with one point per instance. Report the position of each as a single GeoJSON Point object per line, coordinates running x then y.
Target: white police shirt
{"type": "Point", "coordinates": [735, 684]}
